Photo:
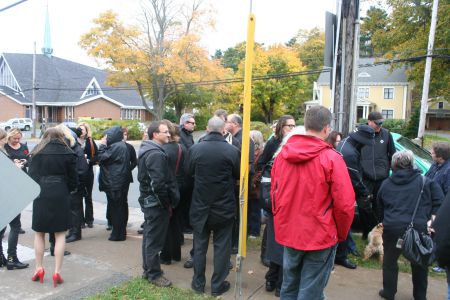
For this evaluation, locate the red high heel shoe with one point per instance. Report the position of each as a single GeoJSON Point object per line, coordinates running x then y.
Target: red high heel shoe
{"type": "Point", "coordinates": [57, 279]}
{"type": "Point", "coordinates": [39, 275]}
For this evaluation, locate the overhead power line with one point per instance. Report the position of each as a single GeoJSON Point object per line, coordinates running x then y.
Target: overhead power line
{"type": "Point", "coordinates": [12, 5]}
{"type": "Point", "coordinates": [255, 78]}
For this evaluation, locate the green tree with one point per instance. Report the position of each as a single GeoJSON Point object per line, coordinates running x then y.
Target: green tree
{"type": "Point", "coordinates": [143, 56]}
{"type": "Point", "coordinates": [406, 36]}
{"type": "Point", "coordinates": [376, 20]}
{"type": "Point", "coordinates": [274, 97]}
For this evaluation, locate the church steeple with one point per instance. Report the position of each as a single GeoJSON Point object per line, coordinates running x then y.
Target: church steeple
{"type": "Point", "coordinates": [47, 50]}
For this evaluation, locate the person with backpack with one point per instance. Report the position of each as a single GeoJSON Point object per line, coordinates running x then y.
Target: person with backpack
{"type": "Point", "coordinates": [274, 251]}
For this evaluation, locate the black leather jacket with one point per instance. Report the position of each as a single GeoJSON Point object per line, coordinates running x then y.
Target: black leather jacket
{"type": "Point", "coordinates": [153, 175]}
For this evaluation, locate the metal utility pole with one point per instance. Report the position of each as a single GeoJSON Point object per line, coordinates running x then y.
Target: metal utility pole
{"type": "Point", "coordinates": [352, 120]}
{"type": "Point", "coordinates": [426, 77]}
{"type": "Point", "coordinates": [344, 62]}
{"type": "Point", "coordinates": [33, 93]}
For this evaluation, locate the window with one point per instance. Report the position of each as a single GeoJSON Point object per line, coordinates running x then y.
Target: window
{"type": "Point", "coordinates": [441, 105]}
{"type": "Point", "coordinates": [363, 93]}
{"type": "Point", "coordinates": [387, 113]}
{"type": "Point", "coordinates": [130, 114]}
{"type": "Point", "coordinates": [388, 93]}
{"type": "Point", "coordinates": [68, 113]}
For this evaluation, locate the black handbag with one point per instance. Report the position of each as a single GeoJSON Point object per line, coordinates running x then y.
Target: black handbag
{"type": "Point", "coordinates": [264, 195]}
{"type": "Point", "coordinates": [418, 247]}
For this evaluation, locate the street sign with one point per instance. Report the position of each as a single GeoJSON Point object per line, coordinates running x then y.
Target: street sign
{"type": "Point", "coordinates": [17, 190]}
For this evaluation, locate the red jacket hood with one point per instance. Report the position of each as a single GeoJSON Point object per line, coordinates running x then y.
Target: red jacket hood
{"type": "Point", "coordinates": [302, 148]}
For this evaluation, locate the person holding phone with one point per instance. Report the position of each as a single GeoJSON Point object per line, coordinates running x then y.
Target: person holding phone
{"type": "Point", "coordinates": [18, 153]}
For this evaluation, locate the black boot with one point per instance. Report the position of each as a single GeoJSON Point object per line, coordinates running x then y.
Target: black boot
{"type": "Point", "coordinates": [14, 263]}
{"type": "Point", "coordinates": [73, 235]}
{"type": "Point", "coordinates": [52, 251]}
{"type": "Point", "coordinates": [2, 260]}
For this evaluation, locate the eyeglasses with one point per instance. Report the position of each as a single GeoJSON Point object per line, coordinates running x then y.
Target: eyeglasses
{"type": "Point", "coordinates": [289, 125]}
{"type": "Point", "coordinates": [165, 132]}
{"type": "Point", "coordinates": [378, 122]}
{"type": "Point", "coordinates": [193, 123]}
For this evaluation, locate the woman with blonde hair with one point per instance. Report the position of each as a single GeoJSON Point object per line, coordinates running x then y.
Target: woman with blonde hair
{"type": "Point", "coordinates": [90, 150]}
{"type": "Point", "coordinates": [53, 167]}
{"type": "Point", "coordinates": [18, 153]}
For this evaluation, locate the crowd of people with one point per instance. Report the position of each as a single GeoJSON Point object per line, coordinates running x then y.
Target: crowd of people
{"type": "Point", "coordinates": [303, 185]}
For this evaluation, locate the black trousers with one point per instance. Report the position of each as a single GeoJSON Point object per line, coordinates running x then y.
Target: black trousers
{"type": "Point", "coordinates": [275, 274]}
{"type": "Point", "coordinates": [185, 206]}
{"type": "Point", "coordinates": [341, 251]}
{"type": "Point", "coordinates": [118, 213]}
{"type": "Point", "coordinates": [172, 245]}
{"type": "Point", "coordinates": [254, 217]}
{"type": "Point", "coordinates": [76, 211]}
{"type": "Point", "coordinates": [13, 237]}
{"type": "Point", "coordinates": [222, 248]}
{"type": "Point", "coordinates": [88, 206]}
{"type": "Point", "coordinates": [155, 231]}
{"type": "Point", "coordinates": [390, 268]}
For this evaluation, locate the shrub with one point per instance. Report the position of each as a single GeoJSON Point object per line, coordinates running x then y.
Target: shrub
{"type": "Point", "coordinates": [394, 125]}
{"type": "Point", "coordinates": [99, 127]}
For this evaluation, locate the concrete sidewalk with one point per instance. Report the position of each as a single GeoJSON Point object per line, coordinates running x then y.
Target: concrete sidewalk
{"type": "Point", "coordinates": [97, 264]}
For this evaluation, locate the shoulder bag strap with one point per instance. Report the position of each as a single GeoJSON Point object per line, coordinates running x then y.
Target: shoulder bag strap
{"type": "Point", "coordinates": [418, 200]}
{"type": "Point", "coordinates": [178, 159]}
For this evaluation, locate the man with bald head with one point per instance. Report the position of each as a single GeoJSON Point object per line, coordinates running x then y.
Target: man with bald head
{"type": "Point", "coordinates": [214, 165]}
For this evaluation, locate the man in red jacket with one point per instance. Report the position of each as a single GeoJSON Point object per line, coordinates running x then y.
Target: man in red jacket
{"type": "Point", "coordinates": [313, 206]}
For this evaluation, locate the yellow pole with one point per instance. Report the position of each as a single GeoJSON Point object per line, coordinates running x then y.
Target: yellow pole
{"type": "Point", "coordinates": [243, 182]}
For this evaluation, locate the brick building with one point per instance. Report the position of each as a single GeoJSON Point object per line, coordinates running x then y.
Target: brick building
{"type": "Point", "coordinates": [65, 91]}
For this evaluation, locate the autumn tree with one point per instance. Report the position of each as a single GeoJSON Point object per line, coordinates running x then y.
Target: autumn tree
{"type": "Point", "coordinates": [404, 35]}
{"type": "Point", "coordinates": [309, 45]}
{"type": "Point", "coordinates": [277, 96]}
{"type": "Point", "coordinates": [143, 55]}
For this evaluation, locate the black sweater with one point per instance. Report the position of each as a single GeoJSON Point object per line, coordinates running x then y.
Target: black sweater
{"type": "Point", "coordinates": [398, 195]}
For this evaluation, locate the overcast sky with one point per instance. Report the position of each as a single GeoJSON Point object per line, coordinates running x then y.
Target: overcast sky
{"type": "Point", "coordinates": [276, 22]}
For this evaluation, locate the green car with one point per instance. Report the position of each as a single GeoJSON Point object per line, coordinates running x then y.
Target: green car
{"type": "Point", "coordinates": [422, 156]}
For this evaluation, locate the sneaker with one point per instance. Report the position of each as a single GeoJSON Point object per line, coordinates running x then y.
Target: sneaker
{"type": "Point", "coordinates": [189, 263]}
{"type": "Point", "coordinates": [161, 281]}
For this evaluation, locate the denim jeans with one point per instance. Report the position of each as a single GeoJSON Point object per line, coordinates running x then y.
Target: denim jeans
{"type": "Point", "coordinates": [306, 273]}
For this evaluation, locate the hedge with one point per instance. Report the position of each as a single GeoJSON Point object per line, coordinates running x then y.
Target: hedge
{"type": "Point", "coordinates": [394, 125]}
{"type": "Point", "coordinates": [99, 127]}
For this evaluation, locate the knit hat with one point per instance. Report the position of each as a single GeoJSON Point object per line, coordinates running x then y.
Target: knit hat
{"type": "Point", "coordinates": [363, 134]}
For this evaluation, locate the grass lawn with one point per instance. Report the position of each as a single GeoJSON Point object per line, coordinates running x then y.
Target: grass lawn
{"type": "Point", "coordinates": [373, 263]}
{"type": "Point", "coordinates": [429, 139]}
{"type": "Point", "coordinates": [141, 289]}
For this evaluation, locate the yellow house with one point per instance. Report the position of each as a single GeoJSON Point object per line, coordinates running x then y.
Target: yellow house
{"type": "Point", "coordinates": [378, 89]}
{"type": "Point", "coordinates": [438, 114]}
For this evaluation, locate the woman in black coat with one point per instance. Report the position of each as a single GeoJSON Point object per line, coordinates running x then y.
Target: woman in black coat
{"type": "Point", "coordinates": [175, 158]}
{"type": "Point", "coordinates": [274, 251]}
{"type": "Point", "coordinates": [397, 199]}
{"type": "Point", "coordinates": [53, 167]}
{"type": "Point", "coordinates": [90, 150]}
